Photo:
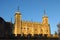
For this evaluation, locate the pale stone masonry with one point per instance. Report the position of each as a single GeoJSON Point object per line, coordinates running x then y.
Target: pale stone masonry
{"type": "Point", "coordinates": [26, 27]}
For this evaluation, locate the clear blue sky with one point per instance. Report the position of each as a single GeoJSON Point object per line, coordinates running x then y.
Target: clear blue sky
{"type": "Point", "coordinates": [32, 9]}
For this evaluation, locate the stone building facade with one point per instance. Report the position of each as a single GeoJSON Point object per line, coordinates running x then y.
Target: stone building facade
{"type": "Point", "coordinates": [26, 27]}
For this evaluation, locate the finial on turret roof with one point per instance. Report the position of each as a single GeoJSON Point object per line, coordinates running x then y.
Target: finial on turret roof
{"type": "Point", "coordinates": [18, 8]}
{"type": "Point", "coordinates": [44, 12]}
{"type": "Point", "coordinates": [11, 20]}
{"type": "Point", "coordinates": [18, 11]}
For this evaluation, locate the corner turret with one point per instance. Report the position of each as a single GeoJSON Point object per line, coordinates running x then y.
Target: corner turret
{"type": "Point", "coordinates": [45, 18]}
{"type": "Point", "coordinates": [17, 25]}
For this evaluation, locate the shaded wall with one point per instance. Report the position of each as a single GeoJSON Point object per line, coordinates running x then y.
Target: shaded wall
{"type": "Point", "coordinates": [5, 28]}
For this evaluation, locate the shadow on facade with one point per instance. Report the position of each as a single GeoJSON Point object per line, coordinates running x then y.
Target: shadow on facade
{"type": "Point", "coordinates": [30, 37]}
{"type": "Point", "coordinates": [5, 28]}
